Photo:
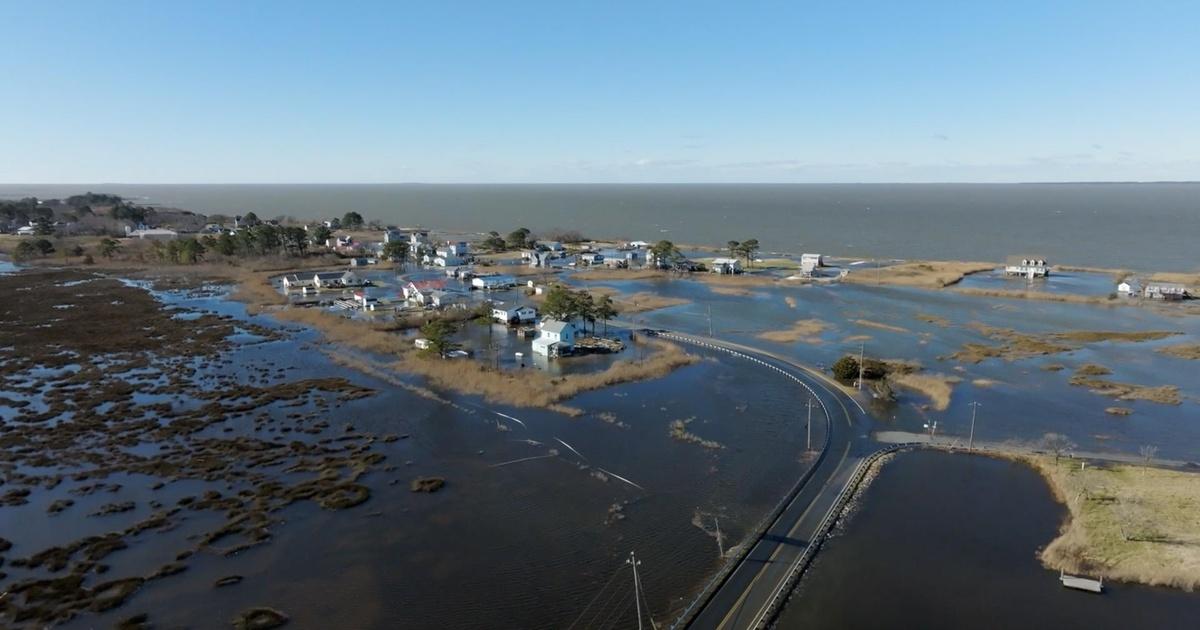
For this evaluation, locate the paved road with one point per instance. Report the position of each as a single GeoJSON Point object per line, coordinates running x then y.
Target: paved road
{"type": "Point", "coordinates": [746, 595]}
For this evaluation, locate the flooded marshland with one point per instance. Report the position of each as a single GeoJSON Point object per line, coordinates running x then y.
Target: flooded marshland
{"type": "Point", "coordinates": [203, 463]}
{"type": "Point", "coordinates": [944, 540]}
{"type": "Point", "coordinates": [1022, 396]}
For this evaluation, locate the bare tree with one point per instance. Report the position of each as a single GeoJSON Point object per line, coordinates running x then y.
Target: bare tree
{"type": "Point", "coordinates": [1057, 443]}
{"type": "Point", "coordinates": [1148, 452]}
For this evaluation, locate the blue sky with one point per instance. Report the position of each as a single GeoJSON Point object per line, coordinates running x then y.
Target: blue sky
{"type": "Point", "coordinates": [181, 92]}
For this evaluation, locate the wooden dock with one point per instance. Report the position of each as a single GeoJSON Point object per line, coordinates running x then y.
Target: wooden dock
{"type": "Point", "coordinates": [1081, 583]}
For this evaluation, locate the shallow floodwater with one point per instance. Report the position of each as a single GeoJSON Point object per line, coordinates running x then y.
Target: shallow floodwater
{"type": "Point", "coordinates": [945, 540]}
{"type": "Point", "coordinates": [1020, 401]}
{"type": "Point", "coordinates": [538, 514]}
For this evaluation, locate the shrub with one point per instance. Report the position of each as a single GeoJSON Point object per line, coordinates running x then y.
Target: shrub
{"type": "Point", "coordinates": [846, 368]}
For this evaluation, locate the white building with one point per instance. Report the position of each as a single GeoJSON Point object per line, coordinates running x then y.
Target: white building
{"type": "Point", "coordinates": [555, 338]}
{"type": "Point", "coordinates": [809, 263]}
{"type": "Point", "coordinates": [1028, 266]}
{"type": "Point", "coordinates": [491, 283]}
{"type": "Point", "coordinates": [417, 238]}
{"type": "Point", "coordinates": [152, 233]}
{"type": "Point", "coordinates": [591, 259]}
{"type": "Point", "coordinates": [725, 265]}
{"type": "Point", "coordinates": [337, 280]}
{"type": "Point", "coordinates": [1165, 291]}
{"type": "Point", "coordinates": [293, 282]}
{"type": "Point", "coordinates": [514, 314]}
{"type": "Point", "coordinates": [26, 230]}
{"type": "Point", "coordinates": [439, 298]}
{"type": "Point", "coordinates": [1128, 287]}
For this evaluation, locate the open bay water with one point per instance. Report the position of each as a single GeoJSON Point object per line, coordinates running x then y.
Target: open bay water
{"type": "Point", "coordinates": [1135, 226]}
{"type": "Point", "coordinates": [950, 541]}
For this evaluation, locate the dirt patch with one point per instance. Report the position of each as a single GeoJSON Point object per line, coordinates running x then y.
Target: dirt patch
{"type": "Point", "coordinates": [1182, 351]}
{"type": "Point", "coordinates": [1091, 369]}
{"type": "Point", "coordinates": [806, 330]}
{"type": "Point", "coordinates": [921, 274]}
{"type": "Point", "coordinates": [937, 387]}
{"type": "Point", "coordinates": [1162, 394]}
{"type": "Point", "coordinates": [866, 323]}
{"type": "Point", "coordinates": [1118, 411]}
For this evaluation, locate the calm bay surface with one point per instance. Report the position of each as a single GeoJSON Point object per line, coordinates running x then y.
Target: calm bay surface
{"type": "Point", "coordinates": [1137, 226]}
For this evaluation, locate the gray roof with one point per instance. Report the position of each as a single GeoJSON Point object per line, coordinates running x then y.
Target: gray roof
{"type": "Point", "coordinates": [555, 326]}
{"type": "Point", "coordinates": [1018, 260]}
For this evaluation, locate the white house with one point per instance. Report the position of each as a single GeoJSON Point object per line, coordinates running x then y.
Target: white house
{"type": "Point", "coordinates": [498, 281]}
{"type": "Point", "coordinates": [26, 230]}
{"type": "Point", "coordinates": [453, 249]}
{"type": "Point", "coordinates": [1128, 287]}
{"type": "Point", "coordinates": [393, 235]}
{"type": "Point", "coordinates": [364, 301]}
{"type": "Point", "coordinates": [591, 259]}
{"type": "Point", "coordinates": [422, 344]}
{"type": "Point", "coordinates": [555, 338]}
{"type": "Point", "coordinates": [725, 265]}
{"type": "Point", "coordinates": [514, 314]}
{"type": "Point", "coordinates": [421, 292]}
{"type": "Point", "coordinates": [445, 261]}
{"type": "Point", "coordinates": [1165, 291]}
{"type": "Point", "coordinates": [553, 246]}
{"type": "Point", "coordinates": [809, 263]}
{"type": "Point", "coordinates": [1028, 266]}
{"type": "Point", "coordinates": [337, 280]}
{"type": "Point", "coordinates": [417, 238]}
{"type": "Point", "coordinates": [294, 282]}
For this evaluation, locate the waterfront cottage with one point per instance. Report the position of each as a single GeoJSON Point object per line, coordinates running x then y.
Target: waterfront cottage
{"type": "Point", "coordinates": [1028, 266]}
{"type": "Point", "coordinates": [555, 338]}
{"type": "Point", "coordinates": [1128, 287]}
{"type": "Point", "coordinates": [514, 315]}
{"type": "Point", "coordinates": [493, 282]}
{"type": "Point", "coordinates": [725, 266]}
{"type": "Point", "coordinates": [293, 282]}
{"type": "Point", "coordinates": [809, 263]}
{"type": "Point", "coordinates": [1165, 291]}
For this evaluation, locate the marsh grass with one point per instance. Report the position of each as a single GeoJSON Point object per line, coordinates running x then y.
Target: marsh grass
{"type": "Point", "coordinates": [920, 274]}
{"type": "Point", "coordinates": [1126, 522]}
{"type": "Point", "coordinates": [806, 330]}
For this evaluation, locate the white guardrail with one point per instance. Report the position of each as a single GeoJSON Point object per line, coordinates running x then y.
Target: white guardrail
{"type": "Point", "coordinates": [763, 525]}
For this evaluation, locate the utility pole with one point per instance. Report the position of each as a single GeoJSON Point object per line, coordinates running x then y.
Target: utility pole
{"type": "Point", "coordinates": [720, 545]}
{"type": "Point", "coordinates": [862, 351]}
{"type": "Point", "coordinates": [808, 447]}
{"type": "Point", "coordinates": [710, 330]}
{"type": "Point", "coordinates": [974, 408]}
{"type": "Point", "coordinates": [637, 587]}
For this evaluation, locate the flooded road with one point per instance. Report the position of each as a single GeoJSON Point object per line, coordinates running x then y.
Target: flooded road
{"type": "Point", "coordinates": [949, 541]}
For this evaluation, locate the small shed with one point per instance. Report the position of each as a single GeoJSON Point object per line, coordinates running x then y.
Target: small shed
{"type": "Point", "coordinates": [725, 265]}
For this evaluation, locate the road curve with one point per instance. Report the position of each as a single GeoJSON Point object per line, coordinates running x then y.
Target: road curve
{"type": "Point", "coordinates": [750, 593]}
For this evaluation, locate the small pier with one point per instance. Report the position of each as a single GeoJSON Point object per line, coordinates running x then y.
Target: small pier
{"type": "Point", "coordinates": [1081, 583]}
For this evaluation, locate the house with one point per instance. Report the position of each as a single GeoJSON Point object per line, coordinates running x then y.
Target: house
{"type": "Point", "coordinates": [452, 249]}
{"type": "Point", "coordinates": [364, 301]}
{"type": "Point", "coordinates": [439, 298]}
{"type": "Point", "coordinates": [809, 263]}
{"type": "Point", "coordinates": [725, 265]}
{"type": "Point", "coordinates": [553, 246]}
{"type": "Point", "coordinates": [422, 344]}
{"type": "Point", "coordinates": [293, 282]}
{"type": "Point", "coordinates": [422, 292]}
{"type": "Point", "coordinates": [514, 315]}
{"type": "Point", "coordinates": [416, 238]}
{"type": "Point", "coordinates": [332, 224]}
{"type": "Point", "coordinates": [445, 261]}
{"type": "Point", "coordinates": [1165, 291]}
{"type": "Point", "coordinates": [639, 244]}
{"type": "Point", "coordinates": [26, 230]}
{"type": "Point", "coordinates": [621, 258]}
{"type": "Point", "coordinates": [1028, 266]}
{"type": "Point", "coordinates": [555, 338]}
{"type": "Point", "coordinates": [591, 259]}
{"type": "Point", "coordinates": [1128, 287]}
{"type": "Point", "coordinates": [393, 235]}
{"type": "Point", "coordinates": [493, 282]}
{"type": "Point", "coordinates": [337, 280]}
{"type": "Point", "coordinates": [362, 262]}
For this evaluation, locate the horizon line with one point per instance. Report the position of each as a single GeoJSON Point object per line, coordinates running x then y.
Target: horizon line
{"type": "Point", "coordinates": [583, 183]}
